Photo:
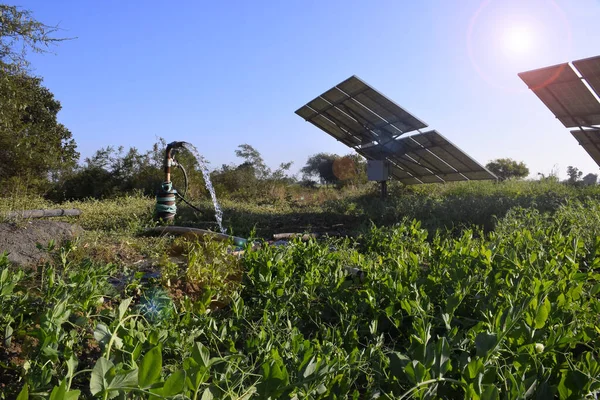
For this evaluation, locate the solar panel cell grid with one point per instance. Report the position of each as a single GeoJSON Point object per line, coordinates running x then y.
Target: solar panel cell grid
{"type": "Point", "coordinates": [590, 70]}
{"type": "Point", "coordinates": [565, 94]}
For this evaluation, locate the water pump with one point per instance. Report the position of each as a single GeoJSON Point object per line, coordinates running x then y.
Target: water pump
{"type": "Point", "coordinates": [166, 209]}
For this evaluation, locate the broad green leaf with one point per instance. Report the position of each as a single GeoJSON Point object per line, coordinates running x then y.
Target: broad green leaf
{"type": "Point", "coordinates": [398, 362]}
{"type": "Point", "coordinates": [490, 393]}
{"type": "Point", "coordinates": [71, 366]}
{"type": "Point", "coordinates": [124, 380]}
{"type": "Point", "coordinates": [98, 381]}
{"type": "Point", "coordinates": [201, 355]}
{"type": "Point", "coordinates": [24, 393]}
{"type": "Point", "coordinates": [542, 314]}
{"type": "Point", "coordinates": [415, 371]}
{"type": "Point", "coordinates": [274, 376]}
{"type": "Point", "coordinates": [474, 367]}
{"type": "Point", "coordinates": [102, 334]}
{"type": "Point", "coordinates": [452, 303]}
{"type": "Point", "coordinates": [485, 342]}
{"type": "Point", "coordinates": [174, 384]}
{"type": "Point", "coordinates": [59, 392]}
{"type": "Point", "coordinates": [442, 357]}
{"type": "Point", "coordinates": [572, 384]}
{"type": "Point", "coordinates": [72, 395]}
{"type": "Point", "coordinates": [209, 393]}
{"type": "Point", "coordinates": [310, 368]}
{"type": "Point", "coordinates": [150, 368]}
{"type": "Point", "coordinates": [123, 307]}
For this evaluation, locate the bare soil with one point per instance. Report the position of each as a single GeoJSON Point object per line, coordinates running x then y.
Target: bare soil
{"type": "Point", "coordinates": [21, 239]}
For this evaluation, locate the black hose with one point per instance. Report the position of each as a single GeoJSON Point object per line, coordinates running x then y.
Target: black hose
{"type": "Point", "coordinates": [187, 202]}
{"type": "Point", "coordinates": [185, 179]}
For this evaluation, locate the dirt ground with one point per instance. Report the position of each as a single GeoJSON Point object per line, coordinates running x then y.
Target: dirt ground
{"type": "Point", "coordinates": [20, 239]}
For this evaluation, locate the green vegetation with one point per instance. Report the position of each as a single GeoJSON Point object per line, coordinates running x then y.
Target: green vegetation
{"type": "Point", "coordinates": [445, 312]}
{"type": "Point", "coordinates": [506, 168]}
{"type": "Point", "coordinates": [506, 314]}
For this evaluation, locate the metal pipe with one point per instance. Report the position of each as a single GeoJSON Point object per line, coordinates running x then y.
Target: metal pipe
{"type": "Point", "coordinates": [169, 158]}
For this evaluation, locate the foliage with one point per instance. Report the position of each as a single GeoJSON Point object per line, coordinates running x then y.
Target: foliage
{"type": "Point", "coordinates": [590, 179]}
{"type": "Point", "coordinates": [506, 168]}
{"type": "Point", "coordinates": [114, 172]}
{"type": "Point", "coordinates": [398, 313]}
{"type": "Point", "coordinates": [574, 175]}
{"type": "Point", "coordinates": [253, 159]}
{"type": "Point", "coordinates": [333, 169]}
{"type": "Point", "coordinates": [252, 179]}
{"type": "Point", "coordinates": [20, 32]}
{"type": "Point", "coordinates": [33, 145]}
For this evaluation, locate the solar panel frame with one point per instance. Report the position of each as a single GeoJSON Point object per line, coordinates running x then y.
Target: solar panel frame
{"type": "Point", "coordinates": [365, 120]}
{"type": "Point", "coordinates": [429, 157]}
{"type": "Point", "coordinates": [565, 94]}
{"type": "Point", "coordinates": [450, 162]}
{"type": "Point", "coordinates": [589, 68]}
{"type": "Point", "coordinates": [589, 139]}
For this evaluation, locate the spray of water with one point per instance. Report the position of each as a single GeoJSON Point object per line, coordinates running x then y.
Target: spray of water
{"type": "Point", "coordinates": [209, 186]}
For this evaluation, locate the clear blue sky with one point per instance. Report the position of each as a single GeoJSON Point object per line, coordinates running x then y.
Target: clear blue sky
{"type": "Point", "coordinates": [219, 74]}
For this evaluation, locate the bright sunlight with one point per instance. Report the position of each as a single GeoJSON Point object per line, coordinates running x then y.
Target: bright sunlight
{"type": "Point", "coordinates": [518, 40]}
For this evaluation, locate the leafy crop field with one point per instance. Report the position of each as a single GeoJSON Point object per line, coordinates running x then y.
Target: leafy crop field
{"type": "Point", "coordinates": [397, 311]}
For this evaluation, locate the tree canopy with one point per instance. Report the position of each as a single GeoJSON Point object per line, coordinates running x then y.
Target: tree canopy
{"type": "Point", "coordinates": [34, 146]}
{"type": "Point", "coordinates": [32, 142]}
{"type": "Point", "coordinates": [506, 168]}
{"type": "Point", "coordinates": [333, 169]}
{"type": "Point", "coordinates": [19, 34]}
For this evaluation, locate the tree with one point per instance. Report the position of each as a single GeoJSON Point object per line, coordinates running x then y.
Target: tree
{"type": "Point", "coordinates": [333, 169]}
{"type": "Point", "coordinates": [20, 33]}
{"type": "Point", "coordinates": [253, 158]}
{"type": "Point", "coordinates": [590, 179]}
{"type": "Point", "coordinates": [506, 168]}
{"type": "Point", "coordinates": [33, 144]}
{"type": "Point", "coordinates": [574, 175]}
{"type": "Point", "coordinates": [321, 166]}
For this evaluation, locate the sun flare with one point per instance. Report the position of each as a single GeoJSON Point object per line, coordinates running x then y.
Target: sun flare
{"type": "Point", "coordinates": [518, 40]}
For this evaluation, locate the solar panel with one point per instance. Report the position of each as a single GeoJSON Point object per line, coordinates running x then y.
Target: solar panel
{"type": "Point", "coordinates": [365, 120]}
{"type": "Point", "coordinates": [590, 141]}
{"type": "Point", "coordinates": [565, 94]}
{"type": "Point", "coordinates": [427, 158]}
{"type": "Point", "coordinates": [355, 113]}
{"type": "Point", "coordinates": [589, 68]}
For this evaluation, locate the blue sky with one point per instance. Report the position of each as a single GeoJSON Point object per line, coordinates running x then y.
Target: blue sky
{"type": "Point", "coordinates": [219, 74]}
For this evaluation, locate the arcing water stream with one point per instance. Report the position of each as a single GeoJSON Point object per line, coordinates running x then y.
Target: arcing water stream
{"type": "Point", "coordinates": [209, 186]}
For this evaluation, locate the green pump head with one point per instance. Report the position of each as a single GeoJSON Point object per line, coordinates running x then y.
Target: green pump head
{"type": "Point", "coordinates": [165, 202]}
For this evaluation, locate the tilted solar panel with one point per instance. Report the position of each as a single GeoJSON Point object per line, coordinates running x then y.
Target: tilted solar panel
{"type": "Point", "coordinates": [590, 141]}
{"type": "Point", "coordinates": [589, 68]}
{"type": "Point", "coordinates": [430, 157]}
{"type": "Point", "coordinates": [565, 94]}
{"type": "Point", "coordinates": [358, 110]}
{"type": "Point", "coordinates": [365, 120]}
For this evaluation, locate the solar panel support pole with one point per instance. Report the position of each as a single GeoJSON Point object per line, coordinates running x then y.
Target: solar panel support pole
{"type": "Point", "coordinates": [383, 190]}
